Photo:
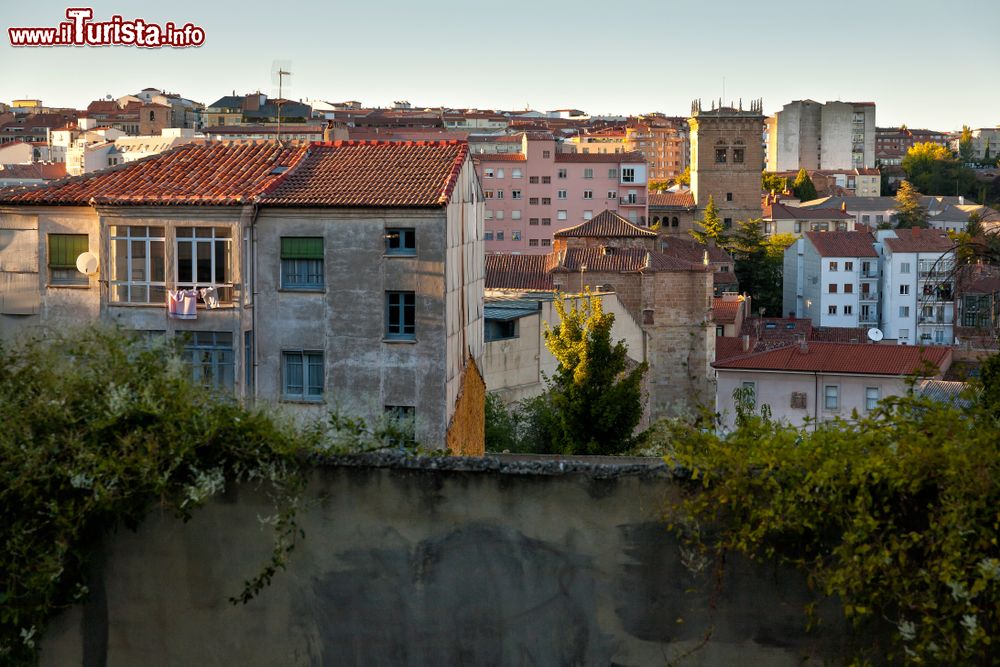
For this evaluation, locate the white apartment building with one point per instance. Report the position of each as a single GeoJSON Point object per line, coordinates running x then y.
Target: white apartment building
{"type": "Point", "coordinates": [806, 134]}
{"type": "Point", "coordinates": [918, 305]}
{"type": "Point", "coordinates": [832, 278]}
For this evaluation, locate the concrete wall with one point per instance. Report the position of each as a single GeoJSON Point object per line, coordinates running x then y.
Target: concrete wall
{"type": "Point", "coordinates": [493, 561]}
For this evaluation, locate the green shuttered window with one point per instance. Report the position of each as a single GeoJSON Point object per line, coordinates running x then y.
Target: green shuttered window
{"type": "Point", "coordinates": [302, 263]}
{"type": "Point", "coordinates": [65, 248]}
{"type": "Point", "coordinates": [301, 247]}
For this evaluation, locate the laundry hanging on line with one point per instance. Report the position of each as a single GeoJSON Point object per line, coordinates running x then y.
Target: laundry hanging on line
{"type": "Point", "coordinates": [182, 304]}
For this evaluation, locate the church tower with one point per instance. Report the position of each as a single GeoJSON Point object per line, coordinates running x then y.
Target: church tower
{"type": "Point", "coordinates": [727, 157]}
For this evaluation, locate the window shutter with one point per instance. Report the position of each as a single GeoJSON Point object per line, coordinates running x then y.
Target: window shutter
{"type": "Point", "coordinates": [301, 247]}
{"type": "Point", "coordinates": [65, 248]}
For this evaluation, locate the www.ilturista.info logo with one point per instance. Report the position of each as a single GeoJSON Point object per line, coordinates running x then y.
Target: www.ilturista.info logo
{"type": "Point", "coordinates": [79, 30]}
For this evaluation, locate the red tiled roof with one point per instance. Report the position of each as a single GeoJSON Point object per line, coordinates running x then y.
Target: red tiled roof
{"type": "Point", "coordinates": [781, 212]}
{"type": "Point", "coordinates": [499, 157]}
{"type": "Point", "coordinates": [724, 310]}
{"type": "Point", "coordinates": [372, 174]}
{"type": "Point", "coordinates": [216, 173]}
{"type": "Point", "coordinates": [840, 334]}
{"type": "Point", "coordinates": [524, 272]}
{"type": "Point", "coordinates": [606, 224]}
{"type": "Point", "coordinates": [722, 278]}
{"type": "Point", "coordinates": [47, 171]}
{"type": "Point", "coordinates": [727, 347]}
{"type": "Point", "coordinates": [690, 250]}
{"type": "Point", "coordinates": [920, 240]}
{"type": "Point", "coordinates": [843, 358]}
{"type": "Point", "coordinates": [843, 244]}
{"type": "Point", "coordinates": [600, 157]}
{"type": "Point", "coordinates": [369, 174]}
{"type": "Point", "coordinates": [671, 199]}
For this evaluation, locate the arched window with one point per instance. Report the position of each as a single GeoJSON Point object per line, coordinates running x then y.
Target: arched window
{"type": "Point", "coordinates": [152, 116]}
{"type": "Point", "coordinates": [673, 221]}
{"type": "Point", "coordinates": [720, 151]}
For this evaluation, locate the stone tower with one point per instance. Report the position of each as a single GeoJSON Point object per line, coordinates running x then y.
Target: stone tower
{"type": "Point", "coordinates": [727, 157]}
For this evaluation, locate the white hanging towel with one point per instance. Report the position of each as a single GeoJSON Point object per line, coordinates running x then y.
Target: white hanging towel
{"type": "Point", "coordinates": [182, 304]}
{"type": "Point", "coordinates": [210, 296]}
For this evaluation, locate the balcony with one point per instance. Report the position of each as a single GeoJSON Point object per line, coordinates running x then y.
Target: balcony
{"type": "Point", "coordinates": [870, 274]}
{"type": "Point", "coordinates": [935, 319]}
{"type": "Point", "coordinates": [632, 201]}
{"type": "Point", "coordinates": [868, 297]}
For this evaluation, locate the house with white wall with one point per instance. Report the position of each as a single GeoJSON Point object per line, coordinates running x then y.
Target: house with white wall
{"type": "Point", "coordinates": [832, 279]}
{"type": "Point", "coordinates": [918, 306]}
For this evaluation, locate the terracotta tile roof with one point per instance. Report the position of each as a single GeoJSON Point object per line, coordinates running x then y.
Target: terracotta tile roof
{"type": "Point", "coordinates": [920, 240]}
{"type": "Point", "coordinates": [840, 334]}
{"type": "Point", "coordinates": [723, 278]}
{"type": "Point", "coordinates": [671, 199]}
{"type": "Point", "coordinates": [724, 310]}
{"type": "Point", "coordinates": [522, 272]}
{"type": "Point", "coordinates": [372, 174]}
{"type": "Point", "coordinates": [727, 347]}
{"type": "Point", "coordinates": [774, 332]}
{"type": "Point", "coordinates": [844, 358]}
{"type": "Point", "coordinates": [217, 173]}
{"type": "Point", "coordinates": [843, 244]}
{"type": "Point", "coordinates": [781, 212]}
{"type": "Point", "coordinates": [606, 224]}
{"type": "Point", "coordinates": [46, 171]}
{"type": "Point", "coordinates": [368, 174]}
{"type": "Point", "coordinates": [600, 157]}
{"type": "Point", "coordinates": [688, 249]}
{"type": "Point", "coordinates": [499, 157]}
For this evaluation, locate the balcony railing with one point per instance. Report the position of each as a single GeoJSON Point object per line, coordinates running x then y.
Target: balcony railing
{"type": "Point", "coordinates": [870, 274]}
{"type": "Point", "coordinates": [934, 319]}
{"type": "Point", "coordinates": [632, 201]}
{"type": "Point", "coordinates": [868, 297]}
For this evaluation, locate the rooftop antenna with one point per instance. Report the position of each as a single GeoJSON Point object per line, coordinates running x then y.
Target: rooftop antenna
{"type": "Point", "coordinates": [280, 71]}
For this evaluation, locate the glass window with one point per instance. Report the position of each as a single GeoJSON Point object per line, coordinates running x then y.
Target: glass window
{"type": "Point", "coordinates": [138, 265]}
{"type": "Point", "coordinates": [401, 241]}
{"type": "Point", "coordinates": [302, 262]}
{"type": "Point", "coordinates": [904, 267]}
{"type": "Point", "coordinates": [872, 396]}
{"type": "Point", "coordinates": [546, 221]}
{"type": "Point", "coordinates": [515, 173]}
{"type": "Point", "coordinates": [400, 316]}
{"type": "Point", "coordinates": [560, 215]}
{"type": "Point", "coordinates": [63, 252]}
{"type": "Point", "coordinates": [515, 194]}
{"type": "Point", "coordinates": [737, 156]}
{"type": "Point", "coordinates": [515, 235]}
{"type": "Point", "coordinates": [588, 194]}
{"type": "Point", "coordinates": [561, 173]}
{"type": "Point", "coordinates": [720, 155]}
{"type": "Point", "coordinates": [204, 259]}
{"type": "Point", "coordinates": [831, 310]}
{"type": "Point", "coordinates": [750, 388]}
{"type": "Point", "coordinates": [612, 173]}
{"type": "Point", "coordinates": [628, 175]}
{"type": "Point", "coordinates": [833, 266]}
{"type": "Point", "coordinates": [588, 173]}
{"type": "Point", "coordinates": [302, 375]}
{"type": "Point", "coordinates": [831, 397]}
{"type": "Point", "coordinates": [904, 289]}
{"type": "Point", "coordinates": [210, 356]}
{"type": "Point", "coordinates": [904, 311]}
{"type": "Point", "coordinates": [848, 266]}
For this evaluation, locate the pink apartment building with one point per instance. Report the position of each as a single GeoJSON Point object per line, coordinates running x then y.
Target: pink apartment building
{"type": "Point", "coordinates": [534, 193]}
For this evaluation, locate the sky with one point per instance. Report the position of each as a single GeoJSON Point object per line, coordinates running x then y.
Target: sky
{"type": "Point", "coordinates": [923, 62]}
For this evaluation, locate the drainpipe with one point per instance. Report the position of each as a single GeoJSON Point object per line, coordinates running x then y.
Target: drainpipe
{"type": "Point", "coordinates": [253, 211]}
{"type": "Point", "coordinates": [815, 400]}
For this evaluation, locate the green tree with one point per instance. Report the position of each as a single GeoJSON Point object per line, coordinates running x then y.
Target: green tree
{"type": "Point", "coordinates": [683, 178]}
{"type": "Point", "coordinates": [596, 398]}
{"type": "Point", "coordinates": [965, 147]}
{"type": "Point", "coordinates": [711, 227]}
{"type": "Point", "coordinates": [659, 184]}
{"type": "Point", "coordinates": [759, 264]}
{"type": "Point", "coordinates": [501, 426]}
{"type": "Point", "coordinates": [770, 182]}
{"type": "Point", "coordinates": [803, 186]}
{"type": "Point", "coordinates": [935, 170]}
{"type": "Point", "coordinates": [909, 211]}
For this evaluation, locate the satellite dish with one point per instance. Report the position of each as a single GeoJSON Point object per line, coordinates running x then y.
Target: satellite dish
{"type": "Point", "coordinates": [87, 263]}
{"type": "Point", "coordinates": [875, 334]}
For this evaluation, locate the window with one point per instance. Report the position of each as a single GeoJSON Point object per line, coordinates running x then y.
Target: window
{"type": "Point", "coordinates": [515, 235]}
{"type": "Point", "coordinates": [532, 201]}
{"type": "Point", "coordinates": [872, 396]}
{"type": "Point", "coordinates": [737, 156]}
{"type": "Point", "coordinates": [799, 400]}
{"type": "Point", "coordinates": [587, 215]}
{"type": "Point", "coordinates": [63, 251]}
{"type": "Point", "coordinates": [489, 214]}
{"type": "Point", "coordinates": [879, 219]}
{"type": "Point", "coordinates": [209, 355]}
{"type": "Point", "coordinates": [500, 329]}
{"type": "Point", "coordinates": [831, 397]}
{"type": "Point", "coordinates": [499, 194]}
{"type": "Point", "coordinates": [848, 266]}
{"type": "Point", "coordinates": [546, 179]}
{"type": "Point", "coordinates": [515, 173]}
{"type": "Point", "coordinates": [499, 236]}
{"type": "Point", "coordinates": [532, 221]}
{"type": "Point", "coordinates": [400, 315]}
{"type": "Point", "coordinates": [532, 243]}
{"type": "Point", "coordinates": [612, 173]}
{"type": "Point", "coordinates": [904, 290]}
{"type": "Point", "coordinates": [588, 194]}
{"type": "Point", "coordinates": [561, 173]}
{"type": "Point", "coordinates": [403, 420]}
{"type": "Point", "coordinates": [560, 215]}
{"type": "Point", "coordinates": [487, 173]}
{"type": "Point", "coordinates": [487, 236]}
{"type": "Point", "coordinates": [204, 259]}
{"type": "Point", "coordinates": [588, 173]}
{"type": "Point", "coordinates": [499, 173]}
{"type": "Point", "coordinates": [546, 242]}
{"type": "Point", "coordinates": [904, 334]}
{"type": "Point", "coordinates": [848, 310]}
{"type": "Point", "coordinates": [546, 221]}
{"type": "Point", "coordinates": [138, 265]}
{"type": "Point", "coordinates": [498, 215]}
{"type": "Point", "coordinates": [515, 194]}
{"type": "Point", "coordinates": [833, 266]}
{"type": "Point", "coordinates": [628, 175]}
{"type": "Point", "coordinates": [720, 330]}
{"type": "Point", "coordinates": [848, 288]}
{"type": "Point", "coordinates": [487, 194]}
{"type": "Point", "coordinates": [904, 267]}
{"type": "Point", "coordinates": [833, 288]}
{"type": "Point", "coordinates": [750, 389]}
{"type": "Point", "coordinates": [546, 154]}
{"type": "Point", "coordinates": [532, 179]}
{"type": "Point", "coordinates": [720, 155]}
{"type": "Point", "coordinates": [727, 223]}
{"type": "Point", "coordinates": [729, 196]}
{"type": "Point", "coordinates": [673, 221]}
{"type": "Point", "coordinates": [302, 375]}
{"type": "Point", "coordinates": [302, 263]}
{"type": "Point", "coordinates": [515, 215]}
{"type": "Point", "coordinates": [612, 194]}
{"type": "Point", "coordinates": [546, 201]}
{"type": "Point", "coordinates": [904, 311]}
{"type": "Point", "coordinates": [831, 310]}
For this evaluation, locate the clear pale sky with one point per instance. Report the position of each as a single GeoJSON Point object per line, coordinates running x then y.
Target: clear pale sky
{"type": "Point", "coordinates": [925, 63]}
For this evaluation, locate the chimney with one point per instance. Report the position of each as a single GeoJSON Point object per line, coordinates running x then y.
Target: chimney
{"type": "Point", "coordinates": [803, 343]}
{"type": "Point", "coordinates": [746, 343]}
{"type": "Point", "coordinates": [961, 200]}
{"type": "Point", "coordinates": [328, 131]}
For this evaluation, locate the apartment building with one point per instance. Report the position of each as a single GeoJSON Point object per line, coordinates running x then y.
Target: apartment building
{"type": "Point", "coordinates": [537, 191]}
{"type": "Point", "coordinates": [892, 143]}
{"type": "Point", "coordinates": [663, 140]}
{"type": "Point", "coordinates": [341, 274]}
{"type": "Point", "coordinates": [779, 218]}
{"type": "Point", "coordinates": [847, 182]}
{"type": "Point", "coordinates": [811, 135]}
{"type": "Point", "coordinates": [918, 303]}
{"type": "Point", "coordinates": [832, 278]}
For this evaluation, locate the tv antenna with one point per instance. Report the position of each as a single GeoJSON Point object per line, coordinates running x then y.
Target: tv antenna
{"type": "Point", "coordinates": [875, 334]}
{"type": "Point", "coordinates": [281, 75]}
